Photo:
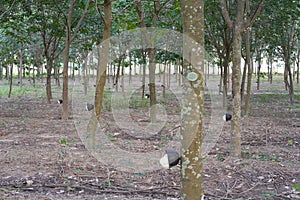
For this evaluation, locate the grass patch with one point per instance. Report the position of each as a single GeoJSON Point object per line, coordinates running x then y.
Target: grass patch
{"type": "Point", "coordinates": [23, 91]}
{"type": "Point", "coordinates": [259, 156]}
{"type": "Point", "coordinates": [270, 98]}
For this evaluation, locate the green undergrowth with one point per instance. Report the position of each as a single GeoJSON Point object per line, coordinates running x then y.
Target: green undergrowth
{"type": "Point", "coordinates": [18, 91]}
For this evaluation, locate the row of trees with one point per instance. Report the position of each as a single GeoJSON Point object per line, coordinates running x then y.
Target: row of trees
{"type": "Point", "coordinates": [33, 34]}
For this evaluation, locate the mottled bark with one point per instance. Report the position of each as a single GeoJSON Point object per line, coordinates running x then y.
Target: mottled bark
{"type": "Point", "coordinates": [236, 77]}
{"type": "Point", "coordinates": [192, 111]}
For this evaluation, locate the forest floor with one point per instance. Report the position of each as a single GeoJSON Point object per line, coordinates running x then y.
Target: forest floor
{"type": "Point", "coordinates": [43, 157]}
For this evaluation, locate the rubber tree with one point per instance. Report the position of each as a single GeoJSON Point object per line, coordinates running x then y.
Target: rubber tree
{"type": "Point", "coordinates": [68, 40]}
{"type": "Point", "coordinates": [248, 61]}
{"type": "Point", "coordinates": [280, 23]}
{"type": "Point", "coordinates": [237, 26]}
{"type": "Point", "coordinates": [219, 38]}
{"type": "Point", "coordinates": [151, 54]}
{"type": "Point", "coordinates": [105, 12]}
{"type": "Point", "coordinates": [192, 113]}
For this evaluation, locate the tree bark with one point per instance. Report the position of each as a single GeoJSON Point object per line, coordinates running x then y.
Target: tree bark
{"type": "Point", "coordinates": [288, 78]}
{"type": "Point", "coordinates": [191, 129]}
{"type": "Point", "coordinates": [258, 69]}
{"type": "Point", "coordinates": [1, 69]}
{"type": "Point", "coordinates": [151, 54]}
{"type": "Point", "coordinates": [104, 56]}
{"type": "Point", "coordinates": [21, 66]}
{"type": "Point", "coordinates": [298, 63]}
{"type": "Point", "coordinates": [11, 74]}
{"type": "Point", "coordinates": [249, 64]}
{"type": "Point", "coordinates": [130, 69]}
{"type": "Point", "coordinates": [68, 41]}
{"type": "Point", "coordinates": [243, 82]}
{"type": "Point", "coordinates": [65, 93]}
{"type": "Point", "coordinates": [237, 28]}
{"type": "Point", "coordinates": [103, 53]}
{"type": "Point", "coordinates": [236, 76]}
{"type": "Point", "coordinates": [48, 79]}
{"type": "Point", "coordinates": [84, 73]}
{"type": "Point", "coordinates": [225, 82]}
{"type": "Point", "coordinates": [271, 71]}
{"type": "Point", "coordinates": [116, 84]}
{"type": "Point", "coordinates": [152, 67]}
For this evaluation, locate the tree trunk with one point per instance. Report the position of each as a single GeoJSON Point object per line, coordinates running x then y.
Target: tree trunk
{"type": "Point", "coordinates": [104, 56]}
{"type": "Point", "coordinates": [271, 71]}
{"type": "Point", "coordinates": [191, 129]}
{"type": "Point", "coordinates": [151, 54]}
{"type": "Point", "coordinates": [225, 82]}
{"type": "Point", "coordinates": [243, 82]}
{"type": "Point", "coordinates": [221, 80]}
{"type": "Point", "coordinates": [144, 72]}
{"type": "Point", "coordinates": [298, 63]}
{"type": "Point", "coordinates": [169, 75]}
{"type": "Point", "coordinates": [288, 79]}
{"type": "Point", "coordinates": [68, 41]}
{"type": "Point", "coordinates": [164, 80]}
{"type": "Point", "coordinates": [73, 70]}
{"type": "Point", "coordinates": [237, 28]}
{"type": "Point", "coordinates": [1, 70]}
{"type": "Point", "coordinates": [208, 71]}
{"type": "Point", "coordinates": [123, 68]}
{"type": "Point", "coordinates": [130, 68]}
{"type": "Point", "coordinates": [116, 84]}
{"type": "Point", "coordinates": [65, 93]}
{"type": "Point", "coordinates": [291, 87]}
{"type": "Point", "coordinates": [48, 80]}
{"type": "Point", "coordinates": [65, 114]}
{"type": "Point", "coordinates": [258, 69]}
{"type": "Point", "coordinates": [84, 74]}
{"type": "Point", "coordinates": [103, 53]}
{"type": "Point", "coordinates": [11, 74]}
{"type": "Point", "coordinates": [21, 66]}
{"type": "Point", "coordinates": [236, 77]}
{"type": "Point", "coordinates": [250, 71]}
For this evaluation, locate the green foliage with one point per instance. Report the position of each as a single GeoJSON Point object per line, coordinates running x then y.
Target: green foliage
{"type": "Point", "coordinates": [63, 142]}
{"type": "Point", "coordinates": [140, 174]}
{"type": "Point", "coordinates": [268, 194]}
{"type": "Point", "coordinates": [220, 157]}
{"type": "Point", "coordinates": [296, 187]}
{"type": "Point", "coordinates": [18, 91]}
{"type": "Point", "coordinates": [111, 137]}
{"type": "Point", "coordinates": [164, 138]}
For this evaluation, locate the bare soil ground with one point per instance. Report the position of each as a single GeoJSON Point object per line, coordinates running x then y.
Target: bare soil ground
{"type": "Point", "coordinates": [43, 157]}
